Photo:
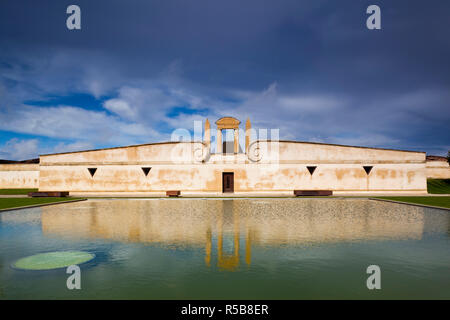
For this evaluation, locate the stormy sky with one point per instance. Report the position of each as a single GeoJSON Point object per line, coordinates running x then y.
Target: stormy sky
{"type": "Point", "coordinates": [137, 70]}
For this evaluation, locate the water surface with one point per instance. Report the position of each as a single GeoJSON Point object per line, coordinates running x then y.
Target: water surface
{"type": "Point", "coordinates": [231, 249]}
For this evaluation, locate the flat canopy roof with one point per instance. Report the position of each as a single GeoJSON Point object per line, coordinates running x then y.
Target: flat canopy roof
{"type": "Point", "coordinates": [228, 123]}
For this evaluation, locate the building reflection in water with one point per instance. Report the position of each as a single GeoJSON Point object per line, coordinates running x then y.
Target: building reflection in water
{"type": "Point", "coordinates": [229, 229]}
{"type": "Point", "coordinates": [225, 260]}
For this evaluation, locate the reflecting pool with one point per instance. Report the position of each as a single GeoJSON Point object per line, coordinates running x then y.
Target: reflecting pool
{"type": "Point", "coordinates": [230, 249]}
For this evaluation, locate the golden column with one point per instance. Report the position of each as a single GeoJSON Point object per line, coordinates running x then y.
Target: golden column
{"type": "Point", "coordinates": [248, 127]}
{"type": "Point", "coordinates": [207, 138]}
{"type": "Point", "coordinates": [224, 124]}
{"type": "Point", "coordinates": [236, 140]}
{"type": "Point", "coordinates": [219, 141]}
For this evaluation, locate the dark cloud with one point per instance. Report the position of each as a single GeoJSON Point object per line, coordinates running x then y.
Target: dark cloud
{"type": "Point", "coordinates": [310, 68]}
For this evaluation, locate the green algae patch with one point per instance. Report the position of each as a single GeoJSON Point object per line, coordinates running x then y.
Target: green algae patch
{"type": "Point", "coordinates": [53, 260]}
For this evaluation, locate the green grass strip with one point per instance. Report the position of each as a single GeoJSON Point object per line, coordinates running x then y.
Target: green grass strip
{"type": "Point", "coordinates": [427, 201]}
{"type": "Point", "coordinates": [9, 203]}
{"type": "Point", "coordinates": [438, 186]}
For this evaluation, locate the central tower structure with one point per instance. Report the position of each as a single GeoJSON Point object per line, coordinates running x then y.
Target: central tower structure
{"type": "Point", "coordinates": [229, 123]}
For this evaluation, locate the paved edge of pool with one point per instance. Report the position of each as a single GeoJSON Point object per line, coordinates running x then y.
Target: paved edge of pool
{"type": "Point", "coordinates": [41, 205]}
{"type": "Point", "coordinates": [410, 203]}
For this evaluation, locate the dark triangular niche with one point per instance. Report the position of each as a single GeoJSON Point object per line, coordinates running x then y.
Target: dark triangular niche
{"type": "Point", "coordinates": [146, 170]}
{"type": "Point", "coordinates": [92, 171]}
{"type": "Point", "coordinates": [367, 169]}
{"type": "Point", "coordinates": [311, 169]}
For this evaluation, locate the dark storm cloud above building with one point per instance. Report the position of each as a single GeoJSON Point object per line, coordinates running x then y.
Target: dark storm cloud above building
{"type": "Point", "coordinates": [138, 69]}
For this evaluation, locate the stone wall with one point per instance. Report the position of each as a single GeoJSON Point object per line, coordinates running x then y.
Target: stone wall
{"type": "Point", "coordinates": [270, 167]}
{"type": "Point", "coordinates": [16, 176]}
{"type": "Point", "coordinates": [438, 169]}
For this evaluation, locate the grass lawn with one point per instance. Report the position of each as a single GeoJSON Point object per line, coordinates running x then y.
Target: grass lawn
{"type": "Point", "coordinates": [7, 203]}
{"type": "Point", "coordinates": [430, 201]}
{"type": "Point", "coordinates": [16, 191]}
{"type": "Point", "coordinates": [438, 186]}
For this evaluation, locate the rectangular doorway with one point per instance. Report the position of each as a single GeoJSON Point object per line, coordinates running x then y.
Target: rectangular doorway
{"type": "Point", "coordinates": [227, 182]}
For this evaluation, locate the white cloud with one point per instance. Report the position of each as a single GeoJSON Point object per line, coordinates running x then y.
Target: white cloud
{"type": "Point", "coordinates": [120, 107]}
{"type": "Point", "coordinates": [67, 122]}
{"type": "Point", "coordinates": [16, 149]}
{"type": "Point", "coordinates": [70, 147]}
